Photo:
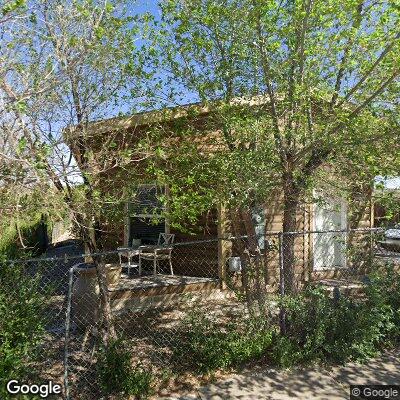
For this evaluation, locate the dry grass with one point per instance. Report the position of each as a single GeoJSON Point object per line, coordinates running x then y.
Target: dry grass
{"type": "Point", "coordinates": [150, 335]}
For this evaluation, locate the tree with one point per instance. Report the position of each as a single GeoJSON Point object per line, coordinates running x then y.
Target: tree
{"type": "Point", "coordinates": [317, 71]}
{"type": "Point", "coordinates": [64, 65]}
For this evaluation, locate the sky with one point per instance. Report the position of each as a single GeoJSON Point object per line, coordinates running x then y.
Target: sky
{"type": "Point", "coordinates": [146, 6]}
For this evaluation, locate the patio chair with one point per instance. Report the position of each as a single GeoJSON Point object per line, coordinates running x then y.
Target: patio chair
{"type": "Point", "coordinates": [162, 251]}
{"type": "Point", "coordinates": [130, 252]}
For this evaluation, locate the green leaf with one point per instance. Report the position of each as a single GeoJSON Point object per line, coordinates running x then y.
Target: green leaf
{"type": "Point", "coordinates": [21, 106]}
{"type": "Point", "coordinates": [22, 143]}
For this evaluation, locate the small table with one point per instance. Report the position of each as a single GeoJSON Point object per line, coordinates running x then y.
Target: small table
{"type": "Point", "coordinates": [129, 252]}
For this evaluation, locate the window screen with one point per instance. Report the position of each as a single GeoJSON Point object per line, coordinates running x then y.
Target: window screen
{"type": "Point", "coordinates": [147, 201]}
{"type": "Point", "coordinates": [145, 210]}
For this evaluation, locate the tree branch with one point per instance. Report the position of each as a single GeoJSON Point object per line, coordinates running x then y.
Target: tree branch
{"type": "Point", "coordinates": [271, 94]}
{"type": "Point", "coordinates": [388, 48]}
{"type": "Point", "coordinates": [342, 69]}
{"type": "Point", "coordinates": [319, 150]}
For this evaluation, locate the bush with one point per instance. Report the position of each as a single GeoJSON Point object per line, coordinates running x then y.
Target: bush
{"type": "Point", "coordinates": [320, 328]}
{"type": "Point", "coordinates": [119, 376]}
{"type": "Point", "coordinates": [34, 235]}
{"type": "Point", "coordinates": [208, 346]}
{"type": "Point", "coordinates": [21, 323]}
{"type": "Point", "coordinates": [384, 292]}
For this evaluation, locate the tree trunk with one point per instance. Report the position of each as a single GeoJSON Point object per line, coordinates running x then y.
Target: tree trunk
{"type": "Point", "coordinates": [90, 234]}
{"type": "Point", "coordinates": [235, 217]}
{"type": "Point", "coordinates": [255, 262]}
{"type": "Point", "coordinates": [107, 323]}
{"type": "Point", "coordinates": [252, 262]}
{"type": "Point", "coordinates": [290, 204]}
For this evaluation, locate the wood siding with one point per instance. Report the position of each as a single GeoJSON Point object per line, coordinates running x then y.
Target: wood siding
{"type": "Point", "coordinates": [303, 248]}
{"type": "Point", "coordinates": [202, 256]}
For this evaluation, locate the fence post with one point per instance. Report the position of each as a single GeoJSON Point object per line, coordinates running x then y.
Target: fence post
{"type": "Point", "coordinates": [67, 328]}
{"type": "Point", "coordinates": [282, 313]}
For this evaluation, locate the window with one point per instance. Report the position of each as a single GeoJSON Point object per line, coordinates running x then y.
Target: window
{"type": "Point", "coordinates": [146, 220]}
{"type": "Point", "coordinates": [147, 202]}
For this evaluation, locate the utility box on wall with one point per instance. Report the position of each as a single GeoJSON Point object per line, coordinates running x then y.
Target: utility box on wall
{"type": "Point", "coordinates": [235, 264]}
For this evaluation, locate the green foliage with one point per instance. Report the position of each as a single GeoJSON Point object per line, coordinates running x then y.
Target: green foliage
{"type": "Point", "coordinates": [10, 245]}
{"type": "Point", "coordinates": [303, 65]}
{"type": "Point", "coordinates": [119, 376]}
{"type": "Point", "coordinates": [21, 323]}
{"type": "Point", "coordinates": [320, 328]}
{"type": "Point", "coordinates": [208, 346]}
{"type": "Point", "coordinates": [384, 293]}
{"type": "Point", "coordinates": [388, 203]}
{"type": "Point", "coordinates": [12, 6]}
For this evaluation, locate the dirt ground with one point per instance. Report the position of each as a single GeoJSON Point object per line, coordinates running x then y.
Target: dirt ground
{"type": "Point", "coordinates": [150, 335]}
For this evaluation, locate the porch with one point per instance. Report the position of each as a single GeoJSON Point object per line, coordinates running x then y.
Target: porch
{"type": "Point", "coordinates": [161, 290]}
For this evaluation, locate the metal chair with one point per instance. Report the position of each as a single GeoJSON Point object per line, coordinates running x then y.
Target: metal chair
{"type": "Point", "coordinates": [162, 251]}
{"type": "Point", "coordinates": [129, 252]}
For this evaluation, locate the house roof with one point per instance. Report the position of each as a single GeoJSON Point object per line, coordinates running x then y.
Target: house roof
{"type": "Point", "coordinates": [96, 129]}
{"type": "Point", "coordinates": [165, 114]}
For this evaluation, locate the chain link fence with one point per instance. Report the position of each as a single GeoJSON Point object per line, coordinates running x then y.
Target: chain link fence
{"type": "Point", "coordinates": [226, 280]}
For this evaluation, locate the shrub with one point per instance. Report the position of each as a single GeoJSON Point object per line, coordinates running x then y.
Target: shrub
{"type": "Point", "coordinates": [21, 323]}
{"type": "Point", "coordinates": [319, 328]}
{"type": "Point", "coordinates": [206, 346]}
{"type": "Point", "coordinates": [384, 292]}
{"type": "Point", "coordinates": [119, 376]}
{"type": "Point", "coordinates": [32, 230]}
{"type": "Point", "coordinates": [336, 330]}
{"type": "Point", "coordinates": [307, 320]}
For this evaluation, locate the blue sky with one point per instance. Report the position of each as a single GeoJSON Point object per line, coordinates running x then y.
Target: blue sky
{"type": "Point", "coordinates": [146, 6]}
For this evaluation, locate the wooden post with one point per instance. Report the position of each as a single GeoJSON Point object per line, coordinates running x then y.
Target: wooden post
{"type": "Point", "coordinates": [372, 238]}
{"type": "Point", "coordinates": [166, 219]}
{"type": "Point", "coordinates": [127, 225]}
{"type": "Point", "coordinates": [224, 245]}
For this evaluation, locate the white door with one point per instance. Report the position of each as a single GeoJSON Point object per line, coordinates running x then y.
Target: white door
{"type": "Point", "coordinates": [329, 248]}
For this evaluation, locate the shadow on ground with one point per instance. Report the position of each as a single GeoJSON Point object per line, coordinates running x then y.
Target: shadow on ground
{"type": "Point", "coordinates": [303, 383]}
